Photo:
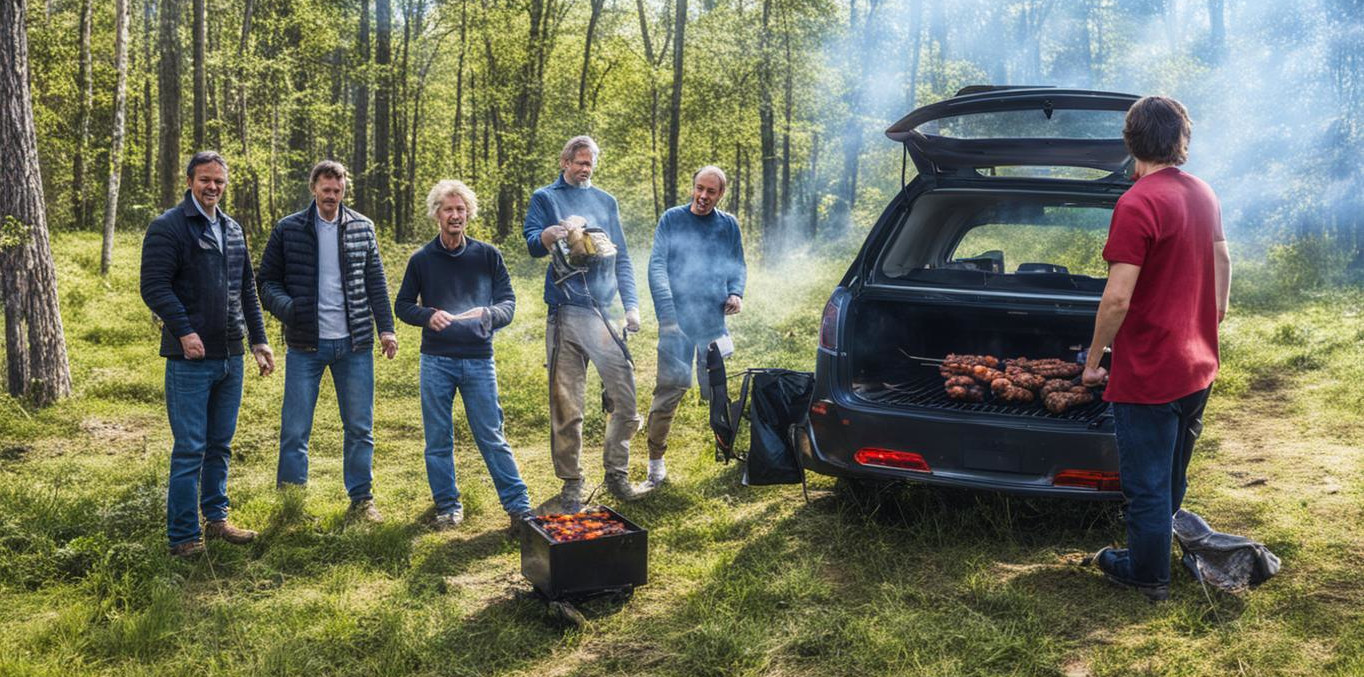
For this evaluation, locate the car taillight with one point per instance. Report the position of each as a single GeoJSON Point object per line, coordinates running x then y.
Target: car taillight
{"type": "Point", "coordinates": [828, 326]}
{"type": "Point", "coordinates": [820, 408]}
{"type": "Point", "coordinates": [889, 458]}
{"type": "Point", "coordinates": [1088, 479]}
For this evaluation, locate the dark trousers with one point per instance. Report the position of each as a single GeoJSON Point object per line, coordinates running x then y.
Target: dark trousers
{"type": "Point", "coordinates": [1155, 442]}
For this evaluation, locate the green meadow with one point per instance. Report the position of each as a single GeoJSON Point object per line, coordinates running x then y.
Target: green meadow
{"type": "Point", "coordinates": [743, 581]}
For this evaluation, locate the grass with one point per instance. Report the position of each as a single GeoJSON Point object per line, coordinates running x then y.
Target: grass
{"type": "Point", "coordinates": [743, 581]}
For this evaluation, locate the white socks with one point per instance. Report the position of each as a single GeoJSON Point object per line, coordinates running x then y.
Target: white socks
{"type": "Point", "coordinates": [657, 471]}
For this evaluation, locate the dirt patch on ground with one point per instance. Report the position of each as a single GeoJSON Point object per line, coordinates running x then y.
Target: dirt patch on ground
{"type": "Point", "coordinates": [113, 436]}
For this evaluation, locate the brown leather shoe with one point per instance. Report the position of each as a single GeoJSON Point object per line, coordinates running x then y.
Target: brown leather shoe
{"type": "Point", "coordinates": [187, 549]}
{"type": "Point", "coordinates": [365, 511]}
{"type": "Point", "coordinates": [227, 532]}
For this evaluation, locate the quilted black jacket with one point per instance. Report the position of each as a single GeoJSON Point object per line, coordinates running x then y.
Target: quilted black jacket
{"type": "Point", "coordinates": [288, 278]}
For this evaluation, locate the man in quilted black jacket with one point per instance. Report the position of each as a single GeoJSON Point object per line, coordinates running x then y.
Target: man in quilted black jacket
{"type": "Point", "coordinates": [196, 278]}
{"type": "Point", "coordinates": [322, 277]}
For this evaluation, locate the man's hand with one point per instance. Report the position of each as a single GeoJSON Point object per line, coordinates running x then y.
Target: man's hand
{"type": "Point", "coordinates": [1221, 314]}
{"type": "Point", "coordinates": [192, 346]}
{"type": "Point", "coordinates": [471, 314]}
{"type": "Point", "coordinates": [632, 320]}
{"type": "Point", "coordinates": [265, 358]}
{"type": "Point", "coordinates": [552, 234]}
{"type": "Point", "coordinates": [734, 304]}
{"type": "Point", "coordinates": [1094, 377]}
{"type": "Point", "coordinates": [440, 320]}
{"type": "Point", "coordinates": [669, 329]}
{"type": "Point", "coordinates": [389, 344]}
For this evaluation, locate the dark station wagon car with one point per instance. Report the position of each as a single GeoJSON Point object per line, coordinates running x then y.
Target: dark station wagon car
{"type": "Point", "coordinates": [993, 248]}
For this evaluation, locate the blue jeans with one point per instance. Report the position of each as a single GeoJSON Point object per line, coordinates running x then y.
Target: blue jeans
{"type": "Point", "coordinates": [476, 381]}
{"type": "Point", "coordinates": [202, 399]}
{"type": "Point", "coordinates": [353, 376]}
{"type": "Point", "coordinates": [1155, 442]}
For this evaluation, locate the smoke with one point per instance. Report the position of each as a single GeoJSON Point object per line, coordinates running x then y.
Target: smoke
{"type": "Point", "coordinates": [1275, 96]}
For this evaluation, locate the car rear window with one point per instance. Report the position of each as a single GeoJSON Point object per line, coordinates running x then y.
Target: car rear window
{"type": "Point", "coordinates": [1049, 239]}
{"type": "Point", "coordinates": [1032, 123]}
{"type": "Point", "coordinates": [963, 239]}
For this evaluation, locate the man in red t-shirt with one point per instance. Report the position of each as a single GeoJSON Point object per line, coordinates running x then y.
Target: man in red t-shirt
{"type": "Point", "coordinates": [1169, 274]}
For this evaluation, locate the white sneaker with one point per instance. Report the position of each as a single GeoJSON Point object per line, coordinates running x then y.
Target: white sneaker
{"type": "Point", "coordinates": [658, 472]}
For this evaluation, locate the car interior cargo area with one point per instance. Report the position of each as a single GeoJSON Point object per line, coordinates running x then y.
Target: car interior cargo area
{"type": "Point", "coordinates": [897, 357]}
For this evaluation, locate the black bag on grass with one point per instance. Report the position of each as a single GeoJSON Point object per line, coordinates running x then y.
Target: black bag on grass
{"type": "Point", "coordinates": [781, 403]}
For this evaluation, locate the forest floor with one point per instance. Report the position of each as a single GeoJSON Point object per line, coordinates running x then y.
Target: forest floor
{"type": "Point", "coordinates": [742, 581]}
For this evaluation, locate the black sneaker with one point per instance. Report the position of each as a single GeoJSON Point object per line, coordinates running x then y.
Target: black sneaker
{"type": "Point", "coordinates": [1103, 559]}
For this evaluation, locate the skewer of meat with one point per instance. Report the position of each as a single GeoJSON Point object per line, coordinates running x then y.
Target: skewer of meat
{"type": "Point", "coordinates": [1005, 390]}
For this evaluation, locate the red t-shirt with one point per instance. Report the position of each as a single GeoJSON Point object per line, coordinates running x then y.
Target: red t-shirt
{"type": "Point", "coordinates": [1167, 345]}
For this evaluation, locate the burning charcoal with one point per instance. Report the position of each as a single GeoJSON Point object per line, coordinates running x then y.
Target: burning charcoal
{"type": "Point", "coordinates": [580, 526]}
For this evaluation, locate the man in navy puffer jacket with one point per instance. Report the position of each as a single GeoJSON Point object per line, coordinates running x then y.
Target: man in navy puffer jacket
{"type": "Point", "coordinates": [322, 277]}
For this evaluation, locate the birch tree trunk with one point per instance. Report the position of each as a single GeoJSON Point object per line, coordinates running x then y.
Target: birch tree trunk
{"type": "Point", "coordinates": [116, 145]}
{"type": "Point", "coordinates": [35, 350]}
{"type": "Point", "coordinates": [80, 212]}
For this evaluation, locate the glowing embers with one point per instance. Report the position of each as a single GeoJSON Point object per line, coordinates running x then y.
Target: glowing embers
{"type": "Point", "coordinates": [581, 526]}
{"type": "Point", "coordinates": [889, 458]}
{"type": "Point", "coordinates": [1097, 480]}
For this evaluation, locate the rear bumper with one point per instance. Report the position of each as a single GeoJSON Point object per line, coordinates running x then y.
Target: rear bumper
{"type": "Point", "coordinates": [963, 450]}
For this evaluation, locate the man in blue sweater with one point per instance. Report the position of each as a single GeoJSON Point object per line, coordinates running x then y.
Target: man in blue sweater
{"type": "Point", "coordinates": [458, 291]}
{"type": "Point", "coordinates": [696, 278]}
{"type": "Point", "coordinates": [578, 331]}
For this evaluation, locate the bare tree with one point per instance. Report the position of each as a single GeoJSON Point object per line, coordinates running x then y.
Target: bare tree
{"type": "Point", "coordinates": [168, 95]}
{"type": "Point", "coordinates": [35, 349]}
{"type": "Point", "coordinates": [116, 144]}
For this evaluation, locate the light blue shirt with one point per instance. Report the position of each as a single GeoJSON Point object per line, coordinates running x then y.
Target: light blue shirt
{"type": "Point", "coordinates": [214, 223]}
{"type": "Point", "coordinates": [331, 301]}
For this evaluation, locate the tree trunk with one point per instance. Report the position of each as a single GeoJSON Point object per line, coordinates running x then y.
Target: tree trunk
{"type": "Point", "coordinates": [200, 75]}
{"type": "Point", "coordinates": [383, 24]}
{"type": "Point", "coordinates": [587, 51]}
{"type": "Point", "coordinates": [675, 108]}
{"type": "Point", "coordinates": [1217, 36]}
{"type": "Point", "coordinates": [815, 192]}
{"type": "Point", "coordinates": [916, 29]}
{"type": "Point", "coordinates": [116, 144]}
{"type": "Point", "coordinates": [35, 350]}
{"type": "Point", "coordinates": [456, 128]}
{"type": "Point", "coordinates": [360, 147]}
{"type": "Point", "coordinates": [80, 201]}
{"type": "Point", "coordinates": [247, 197]}
{"type": "Point", "coordinates": [767, 137]}
{"type": "Point", "coordinates": [784, 213]}
{"type": "Point", "coordinates": [168, 95]}
{"type": "Point", "coordinates": [148, 135]}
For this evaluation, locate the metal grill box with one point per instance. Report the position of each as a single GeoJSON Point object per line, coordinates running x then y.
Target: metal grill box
{"type": "Point", "coordinates": [587, 567]}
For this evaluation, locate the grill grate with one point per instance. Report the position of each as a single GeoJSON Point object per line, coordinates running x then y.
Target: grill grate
{"type": "Point", "coordinates": [927, 391]}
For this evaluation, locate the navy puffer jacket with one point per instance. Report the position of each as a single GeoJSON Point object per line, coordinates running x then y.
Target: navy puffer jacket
{"type": "Point", "coordinates": [198, 286]}
{"type": "Point", "coordinates": [288, 278]}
